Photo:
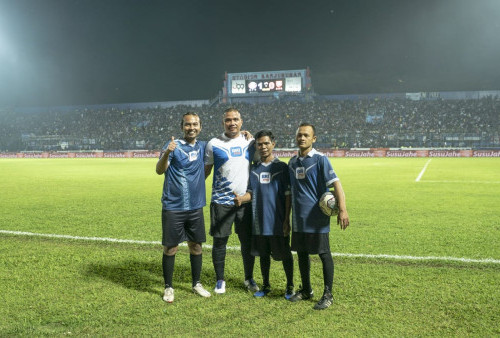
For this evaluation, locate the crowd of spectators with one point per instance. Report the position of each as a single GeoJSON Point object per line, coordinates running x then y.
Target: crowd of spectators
{"type": "Point", "coordinates": [340, 124]}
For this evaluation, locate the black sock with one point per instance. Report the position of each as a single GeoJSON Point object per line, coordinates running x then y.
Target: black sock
{"type": "Point", "coordinates": [219, 256]}
{"type": "Point", "coordinates": [248, 258]}
{"type": "Point", "coordinates": [168, 269]}
{"type": "Point", "coordinates": [265, 266]}
{"type": "Point", "coordinates": [305, 270]}
{"type": "Point", "coordinates": [327, 261]}
{"type": "Point", "coordinates": [196, 261]}
{"type": "Point", "coordinates": [288, 267]}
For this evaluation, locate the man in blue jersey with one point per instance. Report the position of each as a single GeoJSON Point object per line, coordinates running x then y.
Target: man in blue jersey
{"type": "Point", "coordinates": [183, 199]}
{"type": "Point", "coordinates": [311, 175]}
{"type": "Point", "coordinates": [269, 191]}
{"type": "Point", "coordinates": [230, 155]}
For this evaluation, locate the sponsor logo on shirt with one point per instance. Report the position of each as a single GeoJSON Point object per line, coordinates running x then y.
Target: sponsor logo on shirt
{"type": "Point", "coordinates": [193, 156]}
{"type": "Point", "coordinates": [300, 173]}
{"type": "Point", "coordinates": [265, 178]}
{"type": "Point", "coordinates": [236, 152]}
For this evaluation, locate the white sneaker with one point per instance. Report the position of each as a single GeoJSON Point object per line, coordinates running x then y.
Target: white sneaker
{"type": "Point", "coordinates": [198, 288]}
{"type": "Point", "coordinates": [168, 296]}
{"type": "Point", "coordinates": [220, 287]}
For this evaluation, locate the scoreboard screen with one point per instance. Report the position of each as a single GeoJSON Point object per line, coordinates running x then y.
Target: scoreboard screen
{"type": "Point", "coordinates": [264, 86]}
{"type": "Point", "coordinates": [266, 82]}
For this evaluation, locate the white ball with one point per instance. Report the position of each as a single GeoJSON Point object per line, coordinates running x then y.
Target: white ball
{"type": "Point", "coordinates": [328, 204]}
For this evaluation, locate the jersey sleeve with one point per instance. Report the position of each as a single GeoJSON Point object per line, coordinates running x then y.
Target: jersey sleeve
{"type": "Point", "coordinates": [327, 171]}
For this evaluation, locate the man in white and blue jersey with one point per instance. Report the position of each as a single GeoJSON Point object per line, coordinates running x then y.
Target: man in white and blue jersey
{"type": "Point", "coordinates": [230, 155]}
{"type": "Point", "coordinates": [269, 191]}
{"type": "Point", "coordinates": [311, 175]}
{"type": "Point", "coordinates": [183, 199]}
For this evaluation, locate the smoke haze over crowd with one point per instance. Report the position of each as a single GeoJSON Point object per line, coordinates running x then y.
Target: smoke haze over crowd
{"type": "Point", "coordinates": [68, 52]}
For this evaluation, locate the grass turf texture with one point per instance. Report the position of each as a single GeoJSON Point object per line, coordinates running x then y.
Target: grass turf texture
{"type": "Point", "coordinates": [56, 286]}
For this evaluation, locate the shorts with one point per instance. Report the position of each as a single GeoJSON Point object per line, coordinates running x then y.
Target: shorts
{"type": "Point", "coordinates": [181, 226]}
{"type": "Point", "coordinates": [311, 243]}
{"type": "Point", "coordinates": [223, 216]}
{"type": "Point", "coordinates": [278, 247]}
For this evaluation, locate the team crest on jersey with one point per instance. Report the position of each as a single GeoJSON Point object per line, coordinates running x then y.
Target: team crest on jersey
{"type": "Point", "coordinates": [300, 173]}
{"type": "Point", "coordinates": [236, 152]}
{"type": "Point", "coordinates": [265, 178]}
{"type": "Point", "coordinates": [193, 156]}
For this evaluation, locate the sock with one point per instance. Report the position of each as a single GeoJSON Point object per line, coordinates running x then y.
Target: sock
{"type": "Point", "coordinates": [288, 267]}
{"type": "Point", "coordinates": [265, 266]}
{"type": "Point", "coordinates": [168, 269]}
{"type": "Point", "coordinates": [219, 256]}
{"type": "Point", "coordinates": [248, 258]}
{"type": "Point", "coordinates": [305, 270]}
{"type": "Point", "coordinates": [327, 261]}
{"type": "Point", "coordinates": [196, 261]}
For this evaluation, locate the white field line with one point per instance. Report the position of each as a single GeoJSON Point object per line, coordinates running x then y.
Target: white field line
{"type": "Point", "coordinates": [449, 181]}
{"type": "Point", "coordinates": [235, 248]}
{"type": "Point", "coordinates": [423, 171]}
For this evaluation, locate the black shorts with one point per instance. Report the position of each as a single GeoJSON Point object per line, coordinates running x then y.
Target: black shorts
{"type": "Point", "coordinates": [223, 216]}
{"type": "Point", "coordinates": [278, 247]}
{"type": "Point", "coordinates": [181, 226]}
{"type": "Point", "coordinates": [311, 243]}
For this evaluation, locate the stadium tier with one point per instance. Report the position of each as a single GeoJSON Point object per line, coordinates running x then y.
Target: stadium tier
{"type": "Point", "coordinates": [384, 121]}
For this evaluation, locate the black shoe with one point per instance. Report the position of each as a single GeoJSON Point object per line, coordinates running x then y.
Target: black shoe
{"type": "Point", "coordinates": [301, 295]}
{"type": "Point", "coordinates": [325, 301]}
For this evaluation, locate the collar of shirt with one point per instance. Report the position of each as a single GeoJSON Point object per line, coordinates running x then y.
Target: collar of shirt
{"type": "Point", "coordinates": [276, 159]}
{"type": "Point", "coordinates": [309, 154]}
{"type": "Point", "coordinates": [190, 144]}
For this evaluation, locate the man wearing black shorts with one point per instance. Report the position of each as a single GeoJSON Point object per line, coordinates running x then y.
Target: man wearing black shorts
{"type": "Point", "coordinates": [230, 154]}
{"type": "Point", "coordinates": [269, 192]}
{"type": "Point", "coordinates": [183, 199]}
{"type": "Point", "coordinates": [311, 175]}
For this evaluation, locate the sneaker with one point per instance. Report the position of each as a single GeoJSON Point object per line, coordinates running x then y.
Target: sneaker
{"type": "Point", "coordinates": [251, 285]}
{"type": "Point", "coordinates": [325, 301]}
{"type": "Point", "coordinates": [220, 287]}
{"type": "Point", "coordinates": [198, 288]}
{"type": "Point", "coordinates": [168, 296]}
{"type": "Point", "coordinates": [289, 292]}
{"type": "Point", "coordinates": [301, 295]}
{"type": "Point", "coordinates": [262, 293]}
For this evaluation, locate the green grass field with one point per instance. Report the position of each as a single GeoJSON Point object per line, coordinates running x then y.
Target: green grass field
{"type": "Point", "coordinates": [440, 277]}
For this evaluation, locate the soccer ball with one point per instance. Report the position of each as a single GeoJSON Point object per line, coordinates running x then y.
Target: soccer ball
{"type": "Point", "coordinates": [328, 204]}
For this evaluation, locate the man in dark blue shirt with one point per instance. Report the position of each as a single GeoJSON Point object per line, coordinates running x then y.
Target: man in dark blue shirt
{"type": "Point", "coordinates": [183, 199]}
{"type": "Point", "coordinates": [269, 191]}
{"type": "Point", "coordinates": [311, 175]}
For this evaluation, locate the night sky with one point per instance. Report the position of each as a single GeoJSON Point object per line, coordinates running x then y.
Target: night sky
{"type": "Point", "coordinates": [69, 52]}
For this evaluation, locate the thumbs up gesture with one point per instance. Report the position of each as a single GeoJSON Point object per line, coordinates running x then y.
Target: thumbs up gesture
{"type": "Point", "coordinates": [172, 145]}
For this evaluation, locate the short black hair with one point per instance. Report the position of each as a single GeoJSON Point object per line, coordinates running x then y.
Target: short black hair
{"type": "Point", "coordinates": [306, 124]}
{"type": "Point", "coordinates": [263, 133]}
{"type": "Point", "coordinates": [189, 113]}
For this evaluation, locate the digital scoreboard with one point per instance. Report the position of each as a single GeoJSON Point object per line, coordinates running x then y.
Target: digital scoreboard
{"type": "Point", "coordinates": [266, 83]}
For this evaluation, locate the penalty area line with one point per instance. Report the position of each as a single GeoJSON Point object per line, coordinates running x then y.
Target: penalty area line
{"type": "Point", "coordinates": [237, 248]}
{"type": "Point", "coordinates": [423, 170]}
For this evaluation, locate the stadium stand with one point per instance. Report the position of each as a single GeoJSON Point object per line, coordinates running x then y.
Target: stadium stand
{"type": "Point", "coordinates": [359, 123]}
